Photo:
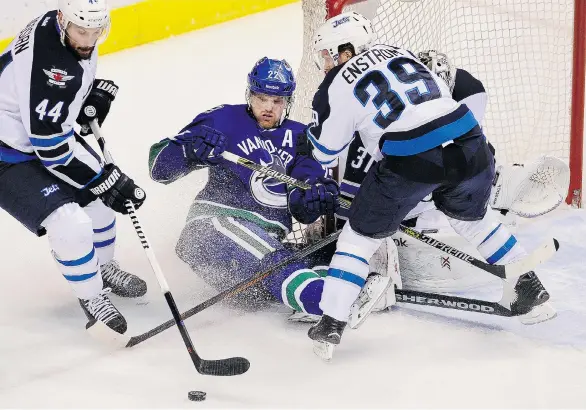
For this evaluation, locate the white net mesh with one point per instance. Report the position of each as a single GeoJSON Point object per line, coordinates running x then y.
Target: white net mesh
{"type": "Point", "coordinates": [520, 49]}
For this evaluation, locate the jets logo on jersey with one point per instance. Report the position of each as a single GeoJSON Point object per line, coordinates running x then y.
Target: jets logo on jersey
{"type": "Point", "coordinates": [267, 190]}
{"type": "Point", "coordinates": [58, 77]}
{"type": "Point", "coordinates": [49, 190]}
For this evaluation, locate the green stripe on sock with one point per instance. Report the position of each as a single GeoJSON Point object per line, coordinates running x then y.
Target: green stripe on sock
{"type": "Point", "coordinates": [294, 284]}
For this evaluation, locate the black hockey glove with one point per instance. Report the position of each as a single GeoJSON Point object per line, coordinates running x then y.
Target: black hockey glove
{"type": "Point", "coordinates": [203, 144]}
{"type": "Point", "coordinates": [97, 104]}
{"type": "Point", "coordinates": [114, 188]}
{"type": "Point", "coordinates": [322, 199]}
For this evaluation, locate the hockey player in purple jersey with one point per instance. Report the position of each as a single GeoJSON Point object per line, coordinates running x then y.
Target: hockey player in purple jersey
{"type": "Point", "coordinates": [237, 222]}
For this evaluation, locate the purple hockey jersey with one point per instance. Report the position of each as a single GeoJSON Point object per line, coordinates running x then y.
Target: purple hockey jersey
{"type": "Point", "coordinates": [233, 190]}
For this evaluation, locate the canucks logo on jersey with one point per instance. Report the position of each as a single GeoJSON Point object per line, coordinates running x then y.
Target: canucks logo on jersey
{"type": "Point", "coordinates": [268, 190]}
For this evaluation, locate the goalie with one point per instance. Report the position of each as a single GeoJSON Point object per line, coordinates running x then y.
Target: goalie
{"type": "Point", "coordinates": [526, 190]}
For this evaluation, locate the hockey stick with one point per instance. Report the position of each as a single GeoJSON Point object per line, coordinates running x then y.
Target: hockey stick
{"type": "Point", "coordinates": [224, 367]}
{"type": "Point", "coordinates": [403, 296]}
{"type": "Point", "coordinates": [513, 270]}
{"type": "Point", "coordinates": [239, 287]}
{"type": "Point", "coordinates": [451, 302]}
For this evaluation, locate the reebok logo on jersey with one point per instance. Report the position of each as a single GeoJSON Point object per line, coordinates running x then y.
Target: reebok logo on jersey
{"type": "Point", "coordinates": [107, 184]}
{"type": "Point", "coordinates": [57, 77]}
{"type": "Point", "coordinates": [108, 86]}
{"type": "Point", "coordinates": [49, 190]}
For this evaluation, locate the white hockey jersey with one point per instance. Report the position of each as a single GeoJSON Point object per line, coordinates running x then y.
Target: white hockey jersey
{"type": "Point", "coordinates": [391, 100]}
{"type": "Point", "coordinates": [42, 88]}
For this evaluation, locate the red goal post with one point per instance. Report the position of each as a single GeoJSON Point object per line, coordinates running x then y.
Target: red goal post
{"type": "Point", "coordinates": [530, 54]}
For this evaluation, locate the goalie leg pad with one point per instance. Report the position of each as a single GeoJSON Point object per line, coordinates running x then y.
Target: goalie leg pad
{"type": "Point", "coordinates": [70, 234]}
{"type": "Point", "coordinates": [379, 291]}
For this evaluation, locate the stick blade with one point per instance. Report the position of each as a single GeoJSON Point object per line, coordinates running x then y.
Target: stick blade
{"type": "Point", "coordinates": [232, 366]}
{"type": "Point", "coordinates": [540, 255]}
{"type": "Point", "coordinates": [99, 331]}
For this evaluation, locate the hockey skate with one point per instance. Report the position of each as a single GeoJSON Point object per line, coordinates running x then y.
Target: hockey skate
{"type": "Point", "coordinates": [528, 299]}
{"type": "Point", "coordinates": [326, 335]}
{"type": "Point", "coordinates": [303, 317]}
{"type": "Point", "coordinates": [374, 296]}
{"type": "Point", "coordinates": [122, 283]}
{"type": "Point", "coordinates": [100, 308]}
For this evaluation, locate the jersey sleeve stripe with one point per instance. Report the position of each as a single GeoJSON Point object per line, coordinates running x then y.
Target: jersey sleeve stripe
{"type": "Point", "coordinates": [322, 148]}
{"type": "Point", "coordinates": [51, 141]}
{"type": "Point", "coordinates": [61, 161]}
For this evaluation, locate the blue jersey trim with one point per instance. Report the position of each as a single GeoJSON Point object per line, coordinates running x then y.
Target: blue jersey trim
{"type": "Point", "coordinates": [405, 143]}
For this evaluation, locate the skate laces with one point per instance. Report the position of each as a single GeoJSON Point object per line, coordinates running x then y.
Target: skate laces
{"type": "Point", "coordinates": [101, 308]}
{"type": "Point", "coordinates": [530, 283]}
{"type": "Point", "coordinates": [116, 276]}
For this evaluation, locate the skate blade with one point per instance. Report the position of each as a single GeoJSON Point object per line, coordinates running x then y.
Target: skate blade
{"type": "Point", "coordinates": [99, 331]}
{"type": "Point", "coordinates": [356, 317]}
{"type": "Point", "coordinates": [538, 314]}
{"type": "Point", "coordinates": [324, 350]}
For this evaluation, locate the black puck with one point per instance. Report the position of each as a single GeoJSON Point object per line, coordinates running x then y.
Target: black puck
{"type": "Point", "coordinates": [196, 395]}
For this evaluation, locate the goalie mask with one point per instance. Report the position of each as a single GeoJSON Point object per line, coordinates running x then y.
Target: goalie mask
{"type": "Point", "coordinates": [439, 64]}
{"type": "Point", "coordinates": [346, 29]}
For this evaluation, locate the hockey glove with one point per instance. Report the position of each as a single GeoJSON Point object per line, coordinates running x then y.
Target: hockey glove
{"type": "Point", "coordinates": [114, 188]}
{"type": "Point", "coordinates": [203, 145]}
{"type": "Point", "coordinates": [97, 104]}
{"type": "Point", "coordinates": [322, 199]}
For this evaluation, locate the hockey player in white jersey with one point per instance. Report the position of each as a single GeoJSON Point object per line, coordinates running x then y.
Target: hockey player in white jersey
{"type": "Point", "coordinates": [50, 179]}
{"type": "Point", "coordinates": [526, 190]}
{"type": "Point", "coordinates": [428, 144]}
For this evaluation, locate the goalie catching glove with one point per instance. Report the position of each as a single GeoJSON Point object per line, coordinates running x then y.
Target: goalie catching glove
{"type": "Point", "coordinates": [114, 188]}
{"type": "Point", "coordinates": [531, 189]}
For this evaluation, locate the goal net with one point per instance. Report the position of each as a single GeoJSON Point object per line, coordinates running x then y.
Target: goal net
{"type": "Point", "coordinates": [522, 51]}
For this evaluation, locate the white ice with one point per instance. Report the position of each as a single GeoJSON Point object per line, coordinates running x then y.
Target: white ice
{"type": "Point", "coordinates": [406, 358]}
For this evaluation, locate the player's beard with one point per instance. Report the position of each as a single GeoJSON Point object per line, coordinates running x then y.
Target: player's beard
{"type": "Point", "coordinates": [83, 53]}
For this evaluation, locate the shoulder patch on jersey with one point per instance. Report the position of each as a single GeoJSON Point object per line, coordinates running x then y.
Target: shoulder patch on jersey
{"type": "Point", "coordinates": [58, 77]}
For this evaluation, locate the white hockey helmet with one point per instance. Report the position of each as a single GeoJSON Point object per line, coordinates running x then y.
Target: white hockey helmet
{"type": "Point", "coordinates": [346, 28]}
{"type": "Point", "coordinates": [440, 64]}
{"type": "Point", "coordinates": [89, 14]}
